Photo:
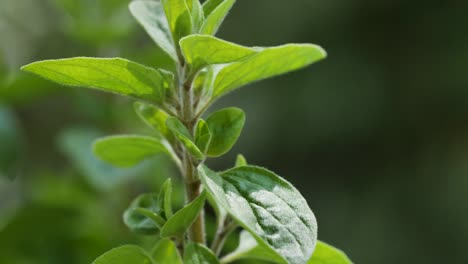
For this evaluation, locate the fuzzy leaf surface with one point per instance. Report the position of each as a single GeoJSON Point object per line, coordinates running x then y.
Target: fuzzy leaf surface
{"type": "Point", "coordinates": [124, 255]}
{"type": "Point", "coordinates": [199, 254]}
{"type": "Point", "coordinates": [225, 126]}
{"type": "Point", "coordinates": [113, 75]}
{"type": "Point", "coordinates": [267, 206]}
{"type": "Point", "coordinates": [327, 254]}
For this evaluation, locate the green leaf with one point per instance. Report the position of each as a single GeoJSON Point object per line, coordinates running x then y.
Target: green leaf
{"type": "Point", "coordinates": [225, 126]}
{"type": "Point", "coordinates": [326, 254]}
{"type": "Point", "coordinates": [198, 17]}
{"type": "Point", "coordinates": [183, 219]}
{"type": "Point", "coordinates": [179, 16]}
{"type": "Point", "coordinates": [183, 135]}
{"type": "Point", "coordinates": [111, 75]}
{"type": "Point", "coordinates": [199, 254]}
{"type": "Point", "coordinates": [210, 5]}
{"type": "Point", "coordinates": [216, 17]}
{"type": "Point", "coordinates": [202, 50]}
{"type": "Point", "coordinates": [165, 252]}
{"type": "Point", "coordinates": [241, 161]}
{"type": "Point", "coordinates": [267, 206]}
{"type": "Point", "coordinates": [144, 215]}
{"type": "Point", "coordinates": [151, 16]}
{"type": "Point", "coordinates": [202, 136]}
{"type": "Point", "coordinates": [266, 63]}
{"type": "Point", "coordinates": [165, 198]}
{"type": "Point", "coordinates": [126, 151]}
{"type": "Point", "coordinates": [154, 118]}
{"type": "Point", "coordinates": [125, 255]}
{"type": "Point", "coordinates": [249, 249]}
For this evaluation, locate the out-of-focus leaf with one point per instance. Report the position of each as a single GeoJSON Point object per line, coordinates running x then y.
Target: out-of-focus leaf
{"type": "Point", "coordinates": [241, 161]}
{"type": "Point", "coordinates": [199, 254]}
{"type": "Point", "coordinates": [155, 118]}
{"type": "Point", "coordinates": [165, 198]}
{"type": "Point", "coordinates": [165, 252]}
{"type": "Point", "coordinates": [125, 255]}
{"type": "Point", "coordinates": [178, 224]}
{"type": "Point", "coordinates": [151, 16]}
{"type": "Point", "coordinates": [216, 18]}
{"type": "Point", "coordinates": [144, 215]}
{"type": "Point", "coordinates": [114, 75]}
{"type": "Point", "coordinates": [10, 144]}
{"type": "Point", "coordinates": [327, 254]}
{"type": "Point", "coordinates": [225, 127]}
{"type": "Point", "coordinates": [267, 206]}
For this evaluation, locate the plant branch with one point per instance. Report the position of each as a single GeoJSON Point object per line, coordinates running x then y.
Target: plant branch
{"type": "Point", "coordinates": [222, 234]}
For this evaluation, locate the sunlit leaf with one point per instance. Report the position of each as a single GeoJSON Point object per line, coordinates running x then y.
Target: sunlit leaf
{"type": "Point", "coordinates": [125, 255]}
{"type": "Point", "coordinates": [225, 126]}
{"type": "Point", "coordinates": [165, 252]}
{"type": "Point", "coordinates": [241, 161]}
{"type": "Point", "coordinates": [216, 17]}
{"type": "Point", "coordinates": [327, 254]}
{"type": "Point", "coordinates": [179, 16]}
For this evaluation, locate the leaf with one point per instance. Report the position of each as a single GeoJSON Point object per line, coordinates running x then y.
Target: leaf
{"type": "Point", "coordinates": [248, 248]}
{"type": "Point", "coordinates": [165, 252]}
{"type": "Point", "coordinates": [165, 198]}
{"type": "Point", "coordinates": [241, 161]}
{"type": "Point", "coordinates": [267, 206]}
{"type": "Point", "coordinates": [216, 17]}
{"type": "Point", "coordinates": [144, 215]}
{"type": "Point", "coordinates": [125, 255]}
{"type": "Point", "coordinates": [178, 14]}
{"type": "Point", "coordinates": [183, 135]}
{"type": "Point", "coordinates": [198, 17]}
{"type": "Point", "coordinates": [183, 219]}
{"type": "Point", "coordinates": [266, 63]}
{"type": "Point", "coordinates": [151, 16]}
{"type": "Point", "coordinates": [199, 254]}
{"type": "Point", "coordinates": [202, 136]}
{"type": "Point", "coordinates": [225, 126]}
{"type": "Point", "coordinates": [11, 148]}
{"type": "Point", "coordinates": [326, 254]}
{"type": "Point", "coordinates": [126, 151]}
{"type": "Point", "coordinates": [210, 5]}
{"type": "Point", "coordinates": [114, 75]}
{"type": "Point", "coordinates": [202, 50]}
{"type": "Point", "coordinates": [154, 118]}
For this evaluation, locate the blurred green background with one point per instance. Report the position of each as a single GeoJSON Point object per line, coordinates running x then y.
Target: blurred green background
{"type": "Point", "coordinates": [375, 137]}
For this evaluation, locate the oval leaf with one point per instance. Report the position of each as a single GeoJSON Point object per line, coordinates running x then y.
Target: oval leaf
{"type": "Point", "coordinates": [326, 254]}
{"type": "Point", "coordinates": [154, 118]}
{"type": "Point", "coordinates": [225, 126]}
{"type": "Point", "coordinates": [151, 16]}
{"type": "Point", "coordinates": [216, 17]}
{"type": "Point", "coordinates": [267, 206]}
{"type": "Point", "coordinates": [183, 135]}
{"type": "Point", "coordinates": [114, 75]}
{"type": "Point", "coordinates": [183, 219]}
{"type": "Point", "coordinates": [144, 215]}
{"type": "Point", "coordinates": [124, 255]}
{"type": "Point", "coordinates": [127, 151]}
{"type": "Point", "coordinates": [202, 136]}
{"type": "Point", "coordinates": [199, 254]}
{"type": "Point", "coordinates": [165, 252]}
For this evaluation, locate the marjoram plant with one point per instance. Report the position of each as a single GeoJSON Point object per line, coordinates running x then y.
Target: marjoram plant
{"type": "Point", "coordinates": [278, 225]}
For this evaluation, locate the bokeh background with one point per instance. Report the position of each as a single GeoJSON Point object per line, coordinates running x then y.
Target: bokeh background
{"type": "Point", "coordinates": [375, 137]}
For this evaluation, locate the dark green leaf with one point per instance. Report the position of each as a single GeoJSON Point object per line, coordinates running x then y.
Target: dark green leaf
{"type": "Point", "coordinates": [10, 144]}
{"type": "Point", "coordinates": [216, 17]}
{"type": "Point", "coordinates": [241, 161]}
{"type": "Point", "coordinates": [199, 254]}
{"type": "Point", "coordinates": [144, 215]}
{"type": "Point", "coordinates": [225, 126]}
{"type": "Point", "coordinates": [125, 255]}
{"type": "Point", "coordinates": [210, 5]}
{"type": "Point", "coordinates": [126, 151]}
{"type": "Point", "coordinates": [154, 118]}
{"type": "Point", "coordinates": [151, 16]}
{"type": "Point", "coordinates": [111, 75]}
{"type": "Point", "coordinates": [202, 50]}
{"type": "Point", "coordinates": [202, 136]}
{"type": "Point", "coordinates": [179, 16]}
{"type": "Point", "coordinates": [183, 135]}
{"type": "Point", "coordinates": [267, 206]}
{"type": "Point", "coordinates": [165, 198]}
{"type": "Point", "coordinates": [178, 224]}
{"type": "Point", "coordinates": [165, 252]}
{"type": "Point", "coordinates": [326, 254]}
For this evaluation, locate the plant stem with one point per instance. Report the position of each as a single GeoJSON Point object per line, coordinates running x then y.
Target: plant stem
{"type": "Point", "coordinates": [222, 234]}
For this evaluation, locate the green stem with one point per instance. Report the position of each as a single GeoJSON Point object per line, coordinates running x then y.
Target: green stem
{"type": "Point", "coordinates": [222, 234]}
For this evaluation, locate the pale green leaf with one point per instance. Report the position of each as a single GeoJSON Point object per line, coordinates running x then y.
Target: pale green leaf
{"type": "Point", "coordinates": [179, 16]}
{"type": "Point", "coordinates": [248, 248]}
{"type": "Point", "coordinates": [225, 126]}
{"type": "Point", "coordinates": [126, 151]}
{"type": "Point", "coordinates": [154, 118]}
{"type": "Point", "coordinates": [125, 255]}
{"type": "Point", "coordinates": [202, 50]}
{"type": "Point", "coordinates": [198, 17]}
{"type": "Point", "coordinates": [151, 16]}
{"type": "Point", "coordinates": [241, 161]}
{"type": "Point", "coordinates": [326, 254]}
{"type": "Point", "coordinates": [178, 224]}
{"type": "Point", "coordinates": [113, 75]}
{"type": "Point", "coordinates": [165, 252]}
{"type": "Point", "coordinates": [267, 206]}
{"type": "Point", "coordinates": [199, 254]}
{"type": "Point", "coordinates": [202, 136]}
{"type": "Point", "coordinates": [214, 20]}
{"type": "Point", "coordinates": [144, 215]}
{"type": "Point", "coordinates": [266, 63]}
{"type": "Point", "coordinates": [210, 5]}
{"type": "Point", "coordinates": [183, 135]}
{"type": "Point", "coordinates": [165, 198]}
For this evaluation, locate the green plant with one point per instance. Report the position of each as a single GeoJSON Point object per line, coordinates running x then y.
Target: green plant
{"type": "Point", "coordinates": [278, 225]}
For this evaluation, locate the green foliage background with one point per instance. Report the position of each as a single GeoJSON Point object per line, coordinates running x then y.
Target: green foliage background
{"type": "Point", "coordinates": [374, 136]}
